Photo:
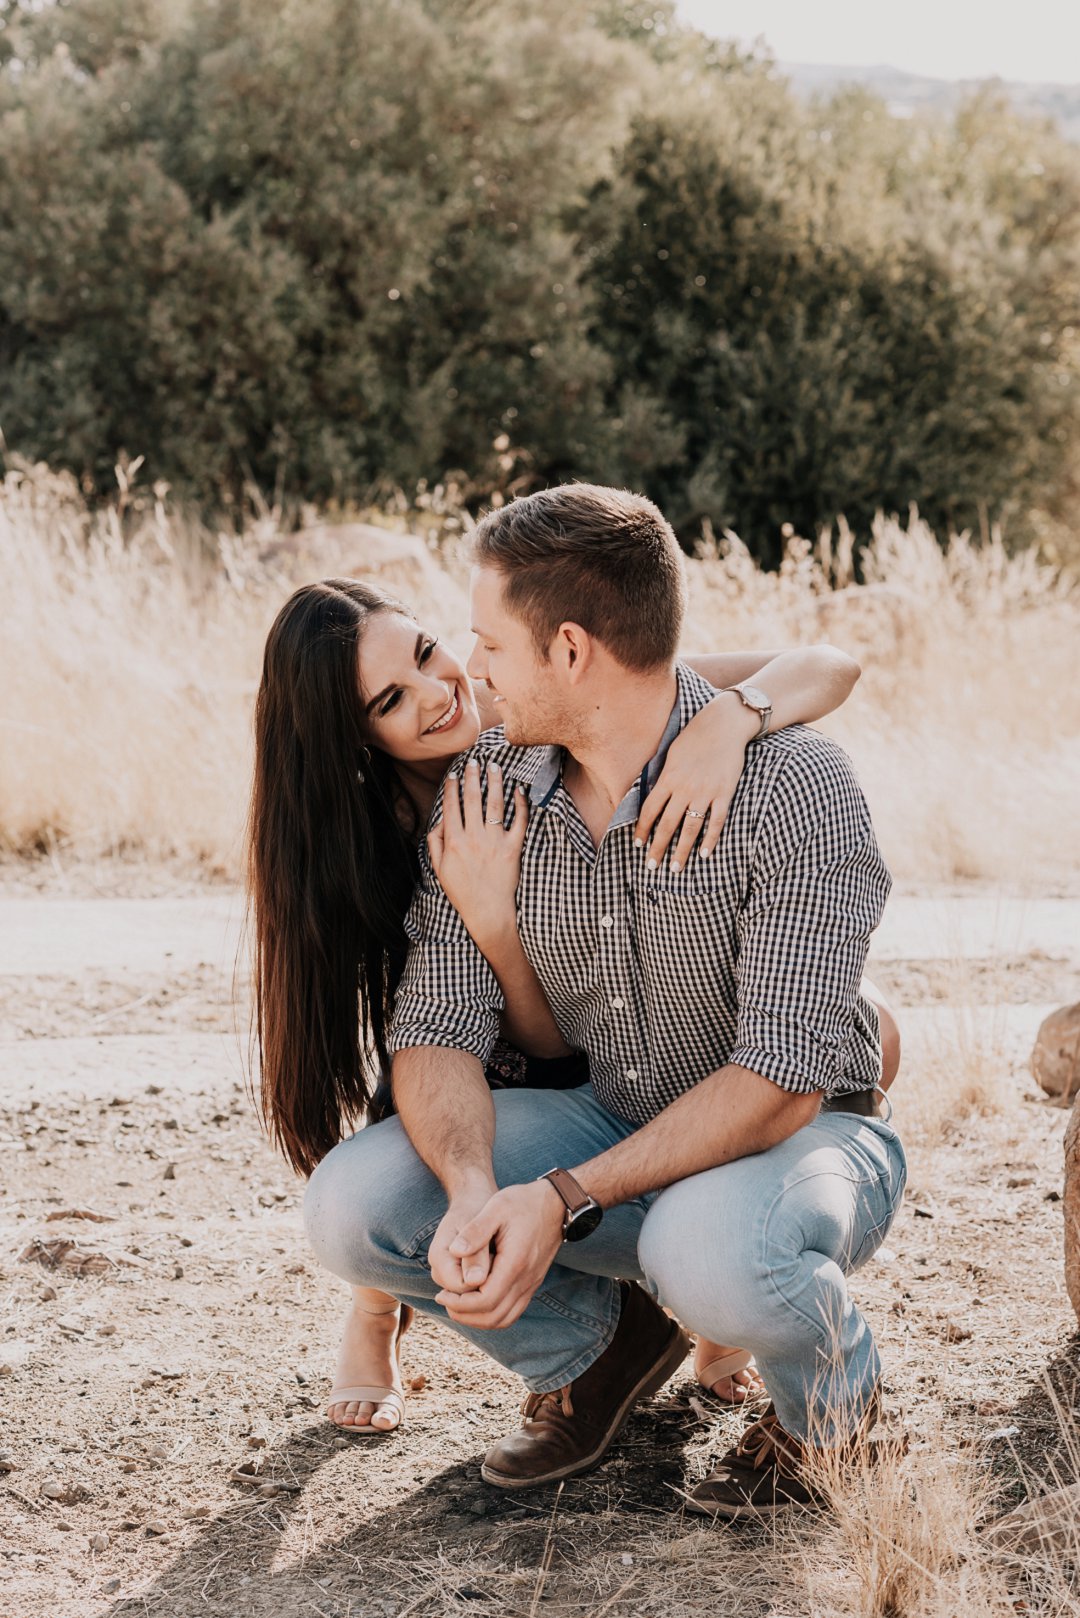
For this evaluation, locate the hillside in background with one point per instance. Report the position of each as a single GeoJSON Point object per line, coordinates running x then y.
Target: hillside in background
{"type": "Point", "coordinates": [908, 94]}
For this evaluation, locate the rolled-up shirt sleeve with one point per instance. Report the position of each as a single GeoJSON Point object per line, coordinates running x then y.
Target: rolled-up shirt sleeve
{"type": "Point", "coordinates": [817, 890]}
{"type": "Point", "coordinates": [448, 994]}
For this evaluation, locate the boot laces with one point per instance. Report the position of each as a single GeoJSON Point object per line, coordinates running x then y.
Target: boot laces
{"type": "Point", "coordinates": [765, 1444]}
{"type": "Point", "coordinates": [535, 1403]}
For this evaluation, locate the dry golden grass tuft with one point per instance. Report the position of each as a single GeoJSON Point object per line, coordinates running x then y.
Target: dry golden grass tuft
{"type": "Point", "coordinates": [965, 727]}
{"type": "Point", "coordinates": [132, 647]}
{"type": "Point", "coordinates": [126, 674]}
{"type": "Point", "coordinates": [904, 1542]}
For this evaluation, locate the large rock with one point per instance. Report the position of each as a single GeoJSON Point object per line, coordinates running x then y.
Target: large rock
{"type": "Point", "coordinates": [1055, 1060]}
{"type": "Point", "coordinates": [1048, 1524]}
{"type": "Point", "coordinates": [1071, 1204]}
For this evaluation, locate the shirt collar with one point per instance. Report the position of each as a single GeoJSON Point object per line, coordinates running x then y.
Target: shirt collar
{"type": "Point", "coordinates": [546, 776]}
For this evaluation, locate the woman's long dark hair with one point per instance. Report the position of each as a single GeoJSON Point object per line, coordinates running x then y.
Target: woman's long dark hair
{"type": "Point", "coordinates": [331, 870]}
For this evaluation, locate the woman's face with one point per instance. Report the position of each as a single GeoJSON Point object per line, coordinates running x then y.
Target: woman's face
{"type": "Point", "coordinates": [417, 698]}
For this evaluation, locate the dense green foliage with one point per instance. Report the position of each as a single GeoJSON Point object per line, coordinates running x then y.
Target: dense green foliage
{"type": "Point", "coordinates": [352, 244]}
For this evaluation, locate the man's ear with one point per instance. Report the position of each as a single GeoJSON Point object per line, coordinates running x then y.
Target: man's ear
{"type": "Point", "coordinates": [572, 651]}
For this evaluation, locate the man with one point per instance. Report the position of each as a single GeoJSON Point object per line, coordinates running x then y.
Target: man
{"type": "Point", "coordinates": [728, 1151]}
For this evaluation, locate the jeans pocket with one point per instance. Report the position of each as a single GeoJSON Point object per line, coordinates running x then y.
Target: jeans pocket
{"type": "Point", "coordinates": [869, 1245]}
{"type": "Point", "coordinates": [890, 1189]}
{"type": "Point", "coordinates": [421, 1238]}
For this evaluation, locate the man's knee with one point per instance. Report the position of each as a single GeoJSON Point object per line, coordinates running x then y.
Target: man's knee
{"type": "Point", "coordinates": [358, 1200]}
{"type": "Point", "coordinates": [696, 1248]}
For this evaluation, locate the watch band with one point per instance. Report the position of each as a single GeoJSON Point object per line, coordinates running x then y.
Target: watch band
{"type": "Point", "coordinates": [583, 1213]}
{"type": "Point", "coordinates": [574, 1198]}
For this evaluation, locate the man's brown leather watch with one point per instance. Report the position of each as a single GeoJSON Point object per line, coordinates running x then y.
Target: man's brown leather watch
{"type": "Point", "coordinates": [583, 1213]}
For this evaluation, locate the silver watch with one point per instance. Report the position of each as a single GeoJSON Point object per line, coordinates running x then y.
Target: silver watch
{"type": "Point", "coordinates": [751, 696]}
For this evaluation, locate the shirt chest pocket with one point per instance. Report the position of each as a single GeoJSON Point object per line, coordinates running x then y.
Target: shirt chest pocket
{"type": "Point", "coordinates": [684, 938]}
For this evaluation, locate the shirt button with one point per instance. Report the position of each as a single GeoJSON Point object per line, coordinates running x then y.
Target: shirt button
{"type": "Point", "coordinates": [631, 1073]}
{"type": "Point", "coordinates": [618, 1003]}
{"type": "Point", "coordinates": [607, 921]}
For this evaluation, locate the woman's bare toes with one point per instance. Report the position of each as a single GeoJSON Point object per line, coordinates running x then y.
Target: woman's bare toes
{"type": "Point", "coordinates": [385, 1417]}
{"type": "Point", "coordinates": [356, 1415]}
{"type": "Point", "coordinates": [345, 1414]}
{"type": "Point", "coordinates": [739, 1388]}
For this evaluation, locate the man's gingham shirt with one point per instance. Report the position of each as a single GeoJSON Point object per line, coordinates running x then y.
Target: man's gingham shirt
{"type": "Point", "coordinates": [753, 956]}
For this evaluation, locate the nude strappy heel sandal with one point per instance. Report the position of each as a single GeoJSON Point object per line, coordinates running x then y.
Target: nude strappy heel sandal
{"type": "Point", "coordinates": [728, 1365]}
{"type": "Point", "coordinates": [362, 1394]}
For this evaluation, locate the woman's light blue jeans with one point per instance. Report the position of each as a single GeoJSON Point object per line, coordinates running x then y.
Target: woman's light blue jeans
{"type": "Point", "coordinates": [754, 1253]}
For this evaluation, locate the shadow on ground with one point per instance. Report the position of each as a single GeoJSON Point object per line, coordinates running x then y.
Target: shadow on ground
{"type": "Point", "coordinates": [1045, 1453]}
{"type": "Point", "coordinates": [453, 1540]}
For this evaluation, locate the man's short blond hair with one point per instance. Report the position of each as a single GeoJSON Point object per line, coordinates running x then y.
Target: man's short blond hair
{"type": "Point", "coordinates": [602, 558]}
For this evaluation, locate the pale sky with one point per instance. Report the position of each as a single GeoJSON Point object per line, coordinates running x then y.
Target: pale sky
{"type": "Point", "coordinates": [945, 39]}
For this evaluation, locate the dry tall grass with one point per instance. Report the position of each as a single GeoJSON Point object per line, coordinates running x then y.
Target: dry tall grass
{"type": "Point", "coordinates": [965, 727]}
{"type": "Point", "coordinates": [126, 675]}
{"type": "Point", "coordinates": [129, 662]}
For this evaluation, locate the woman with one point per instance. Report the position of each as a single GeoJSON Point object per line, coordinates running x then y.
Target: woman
{"type": "Point", "coordinates": [359, 714]}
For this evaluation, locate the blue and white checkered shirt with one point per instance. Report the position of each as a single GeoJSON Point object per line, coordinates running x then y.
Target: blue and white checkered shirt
{"type": "Point", "coordinates": [753, 956]}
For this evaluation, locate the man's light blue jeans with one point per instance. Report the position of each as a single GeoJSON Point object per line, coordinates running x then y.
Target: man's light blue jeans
{"type": "Point", "coordinates": [754, 1253]}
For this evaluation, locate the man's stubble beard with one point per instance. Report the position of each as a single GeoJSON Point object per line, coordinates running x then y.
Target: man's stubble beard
{"type": "Point", "coordinates": [538, 721]}
{"type": "Point", "coordinates": [520, 729]}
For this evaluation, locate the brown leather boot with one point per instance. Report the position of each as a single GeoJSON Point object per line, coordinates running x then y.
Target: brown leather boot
{"type": "Point", "coordinates": [571, 1429]}
{"type": "Point", "coordinates": [769, 1469]}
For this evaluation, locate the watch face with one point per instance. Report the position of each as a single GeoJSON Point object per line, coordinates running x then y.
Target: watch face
{"type": "Point", "coordinates": [756, 699]}
{"type": "Point", "coordinates": [584, 1223]}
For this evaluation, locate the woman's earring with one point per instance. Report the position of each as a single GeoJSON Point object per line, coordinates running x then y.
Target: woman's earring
{"type": "Point", "coordinates": [365, 754]}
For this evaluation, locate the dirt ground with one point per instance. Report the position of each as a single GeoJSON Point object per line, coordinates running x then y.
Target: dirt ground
{"type": "Point", "coordinates": [166, 1339]}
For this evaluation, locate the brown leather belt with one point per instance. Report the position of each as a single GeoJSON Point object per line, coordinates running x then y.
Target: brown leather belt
{"type": "Point", "coordinates": [866, 1103]}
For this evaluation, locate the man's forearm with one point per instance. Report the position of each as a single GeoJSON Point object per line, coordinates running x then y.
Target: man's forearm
{"type": "Point", "coordinates": [732, 1113]}
{"type": "Point", "coordinates": [443, 1100]}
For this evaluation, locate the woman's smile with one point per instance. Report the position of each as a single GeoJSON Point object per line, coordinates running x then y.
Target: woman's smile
{"type": "Point", "coordinates": [449, 716]}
